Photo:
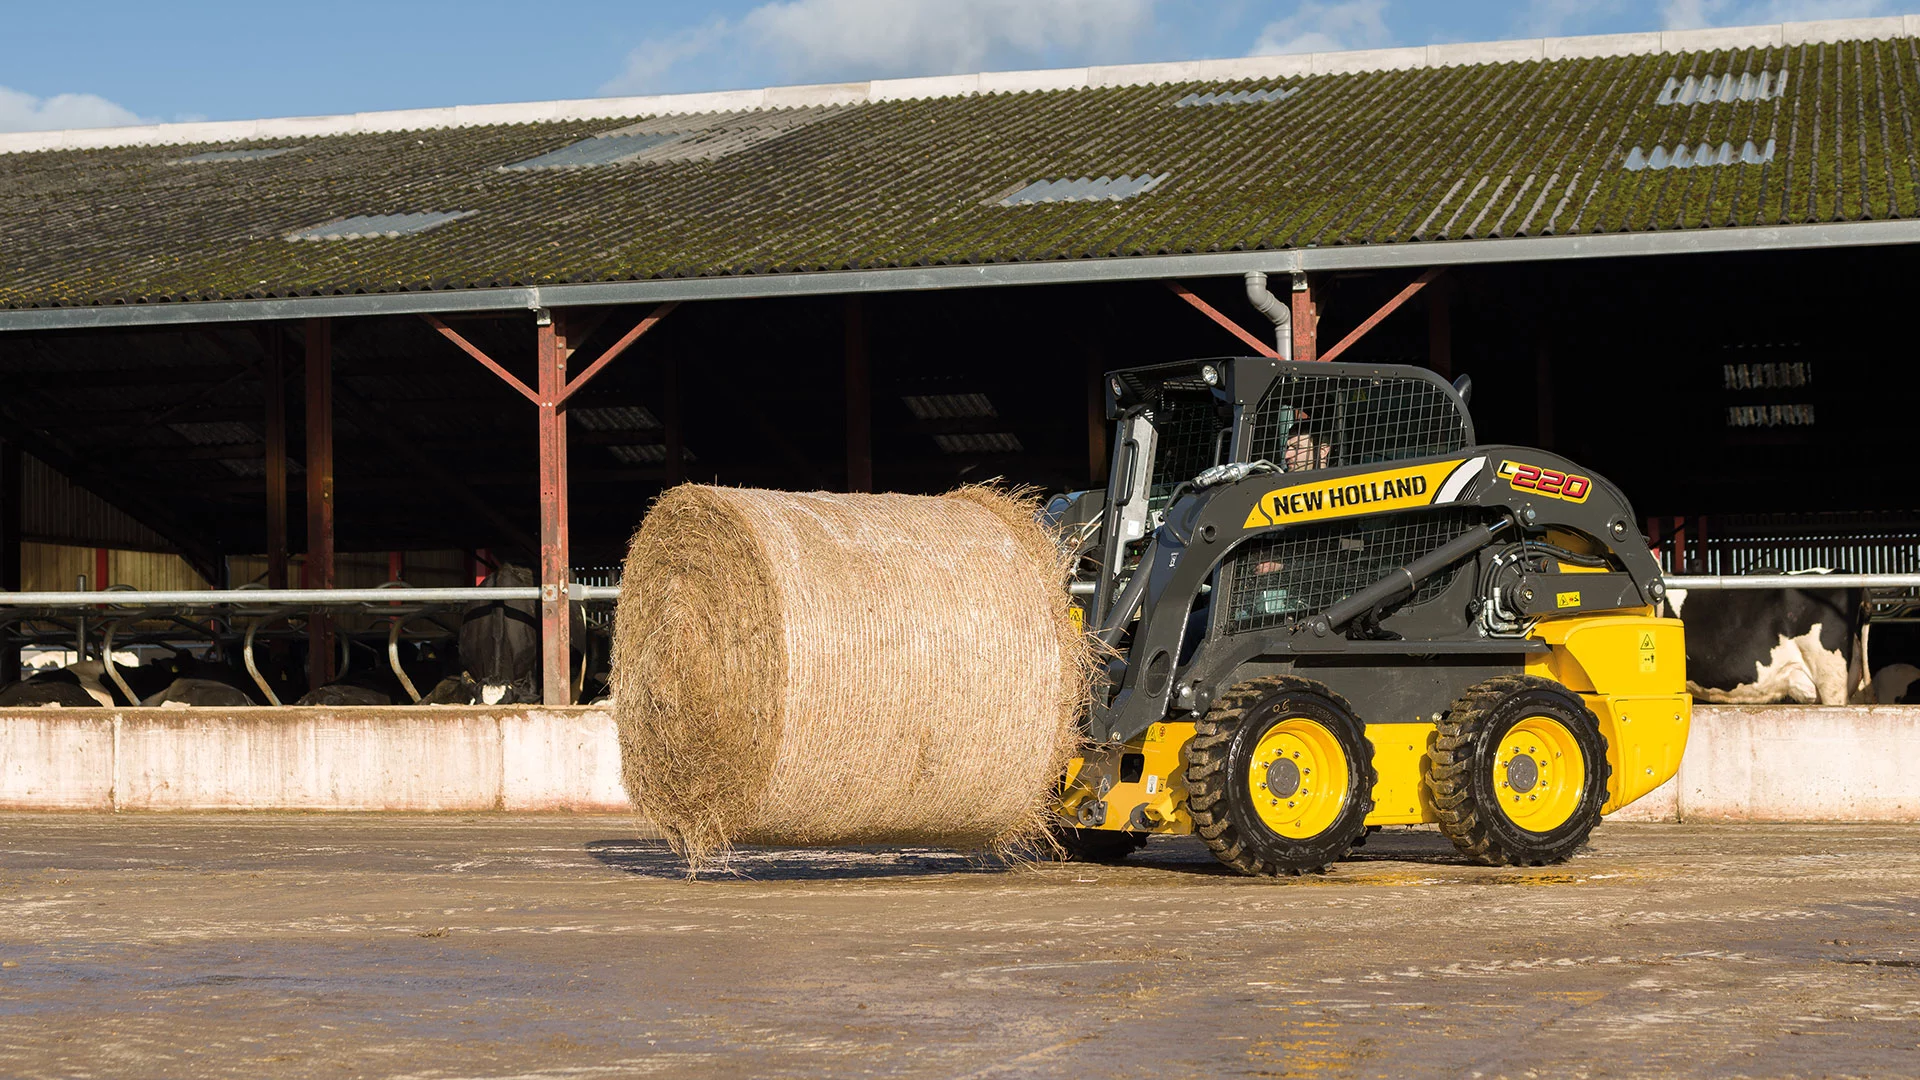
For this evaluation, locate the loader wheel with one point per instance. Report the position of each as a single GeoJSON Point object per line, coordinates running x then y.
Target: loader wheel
{"type": "Point", "coordinates": [1519, 772]}
{"type": "Point", "coordinates": [1279, 777]}
{"type": "Point", "coordinates": [1097, 845]}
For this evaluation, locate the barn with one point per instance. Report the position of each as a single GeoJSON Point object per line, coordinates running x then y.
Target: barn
{"type": "Point", "coordinates": [342, 350]}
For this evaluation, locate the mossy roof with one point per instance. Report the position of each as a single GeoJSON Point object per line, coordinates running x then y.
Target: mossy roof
{"type": "Point", "coordinates": [1489, 150]}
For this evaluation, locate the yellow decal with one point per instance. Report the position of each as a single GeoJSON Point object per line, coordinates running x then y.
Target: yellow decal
{"type": "Point", "coordinates": [1649, 655]}
{"type": "Point", "coordinates": [1567, 599]}
{"type": "Point", "coordinates": [1367, 493]}
{"type": "Point", "coordinates": [1552, 483]}
{"type": "Point", "coordinates": [1079, 617]}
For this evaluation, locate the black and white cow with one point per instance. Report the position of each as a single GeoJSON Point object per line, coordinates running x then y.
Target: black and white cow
{"type": "Point", "coordinates": [1801, 646]}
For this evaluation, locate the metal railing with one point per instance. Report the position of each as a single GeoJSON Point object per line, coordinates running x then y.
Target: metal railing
{"type": "Point", "coordinates": [290, 597]}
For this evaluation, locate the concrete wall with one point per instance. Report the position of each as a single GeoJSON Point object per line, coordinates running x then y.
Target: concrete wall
{"type": "Point", "coordinates": [1793, 763]}
{"type": "Point", "coordinates": [471, 758]}
{"type": "Point", "coordinates": [1766, 763]}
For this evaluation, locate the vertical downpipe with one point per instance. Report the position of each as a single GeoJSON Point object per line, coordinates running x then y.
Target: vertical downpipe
{"type": "Point", "coordinates": [1275, 309]}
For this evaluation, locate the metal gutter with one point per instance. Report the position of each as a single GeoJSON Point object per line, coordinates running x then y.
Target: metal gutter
{"type": "Point", "coordinates": [926, 278]}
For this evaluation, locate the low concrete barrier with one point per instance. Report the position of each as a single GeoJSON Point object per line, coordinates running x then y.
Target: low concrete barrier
{"type": "Point", "coordinates": [455, 758]}
{"type": "Point", "coordinates": [1793, 763]}
{"type": "Point", "coordinates": [1743, 763]}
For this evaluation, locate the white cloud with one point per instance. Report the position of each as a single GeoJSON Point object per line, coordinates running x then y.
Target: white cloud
{"type": "Point", "coordinates": [829, 40]}
{"type": "Point", "coordinates": [25, 112]}
{"type": "Point", "coordinates": [1553, 18]}
{"type": "Point", "coordinates": [1326, 27]}
{"type": "Point", "coordinates": [1694, 14]}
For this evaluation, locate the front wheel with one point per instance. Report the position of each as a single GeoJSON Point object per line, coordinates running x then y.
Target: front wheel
{"type": "Point", "coordinates": [1519, 772]}
{"type": "Point", "coordinates": [1279, 777]}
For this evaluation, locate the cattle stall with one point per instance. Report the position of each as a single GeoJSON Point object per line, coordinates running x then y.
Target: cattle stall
{"type": "Point", "coordinates": [259, 354]}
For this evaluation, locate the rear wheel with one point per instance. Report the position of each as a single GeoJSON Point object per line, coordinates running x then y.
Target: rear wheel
{"type": "Point", "coordinates": [1519, 772]}
{"type": "Point", "coordinates": [1279, 777]}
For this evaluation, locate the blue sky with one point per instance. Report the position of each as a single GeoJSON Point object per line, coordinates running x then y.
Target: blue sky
{"type": "Point", "coordinates": [94, 64]}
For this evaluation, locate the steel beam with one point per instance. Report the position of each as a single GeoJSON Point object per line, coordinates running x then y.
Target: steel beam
{"type": "Point", "coordinates": [649, 322]}
{"type": "Point", "coordinates": [1386, 309]}
{"type": "Point", "coordinates": [1226, 324]}
{"type": "Point", "coordinates": [556, 578]}
{"type": "Point", "coordinates": [922, 278]}
{"type": "Point", "coordinates": [317, 573]}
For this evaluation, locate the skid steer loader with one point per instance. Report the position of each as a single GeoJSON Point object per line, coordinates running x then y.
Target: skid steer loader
{"type": "Point", "coordinates": [1329, 610]}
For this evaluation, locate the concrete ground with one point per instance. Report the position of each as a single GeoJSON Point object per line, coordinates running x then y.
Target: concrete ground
{"type": "Point", "coordinates": [564, 947]}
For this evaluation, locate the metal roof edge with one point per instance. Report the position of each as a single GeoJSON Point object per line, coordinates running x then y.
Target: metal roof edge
{"type": "Point", "coordinates": [988, 82]}
{"type": "Point", "coordinates": [924, 278]}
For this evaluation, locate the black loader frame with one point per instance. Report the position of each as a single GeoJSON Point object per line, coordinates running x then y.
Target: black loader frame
{"type": "Point", "coordinates": [1327, 540]}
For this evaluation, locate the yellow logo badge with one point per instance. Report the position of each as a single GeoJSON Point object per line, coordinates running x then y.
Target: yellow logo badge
{"type": "Point", "coordinates": [1368, 493]}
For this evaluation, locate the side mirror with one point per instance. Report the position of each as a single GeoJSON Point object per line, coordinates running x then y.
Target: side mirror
{"type": "Point", "coordinates": [1464, 387]}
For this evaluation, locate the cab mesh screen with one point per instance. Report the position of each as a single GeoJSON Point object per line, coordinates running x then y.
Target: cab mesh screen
{"type": "Point", "coordinates": [1310, 422]}
{"type": "Point", "coordinates": [1300, 571]}
{"type": "Point", "coordinates": [1187, 424]}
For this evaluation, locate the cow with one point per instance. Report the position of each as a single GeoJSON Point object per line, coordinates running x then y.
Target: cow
{"type": "Point", "coordinates": [1897, 684]}
{"type": "Point", "coordinates": [499, 645]}
{"type": "Point", "coordinates": [59, 687]}
{"type": "Point", "coordinates": [85, 684]}
{"type": "Point", "coordinates": [213, 693]}
{"type": "Point", "coordinates": [1803, 646]}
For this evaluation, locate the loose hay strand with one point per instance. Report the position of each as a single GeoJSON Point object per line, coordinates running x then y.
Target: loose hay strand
{"type": "Point", "coordinates": [814, 669]}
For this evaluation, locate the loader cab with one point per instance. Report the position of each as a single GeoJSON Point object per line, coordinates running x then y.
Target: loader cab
{"type": "Point", "coordinates": [1174, 421]}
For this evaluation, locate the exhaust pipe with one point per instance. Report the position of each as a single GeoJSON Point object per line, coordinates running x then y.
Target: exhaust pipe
{"type": "Point", "coordinates": [1275, 309]}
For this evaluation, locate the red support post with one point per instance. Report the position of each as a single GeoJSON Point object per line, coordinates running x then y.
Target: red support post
{"type": "Point", "coordinates": [1305, 320]}
{"type": "Point", "coordinates": [317, 572]}
{"type": "Point", "coordinates": [1096, 419]}
{"type": "Point", "coordinates": [274, 380]}
{"type": "Point", "coordinates": [100, 568]}
{"type": "Point", "coordinates": [670, 419]}
{"type": "Point", "coordinates": [11, 462]}
{"type": "Point", "coordinates": [556, 578]}
{"type": "Point", "coordinates": [1440, 329]}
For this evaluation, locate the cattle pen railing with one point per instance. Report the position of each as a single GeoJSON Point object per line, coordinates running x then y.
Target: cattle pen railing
{"type": "Point", "coordinates": [12, 603]}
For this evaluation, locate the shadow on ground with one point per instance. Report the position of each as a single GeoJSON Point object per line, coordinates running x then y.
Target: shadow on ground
{"type": "Point", "coordinates": [654, 859]}
{"type": "Point", "coordinates": [1181, 855]}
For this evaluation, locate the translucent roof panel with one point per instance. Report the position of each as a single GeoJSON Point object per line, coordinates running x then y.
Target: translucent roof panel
{"type": "Point", "coordinates": [213, 156]}
{"type": "Point", "coordinates": [599, 150]}
{"type": "Point", "coordinates": [1707, 89]}
{"type": "Point", "coordinates": [948, 406]}
{"type": "Point", "coordinates": [1241, 97]}
{"type": "Point", "coordinates": [1688, 157]}
{"type": "Point", "coordinates": [616, 418]}
{"type": "Point", "coordinates": [1105, 189]}
{"type": "Point", "coordinates": [988, 442]}
{"type": "Point", "coordinates": [368, 226]}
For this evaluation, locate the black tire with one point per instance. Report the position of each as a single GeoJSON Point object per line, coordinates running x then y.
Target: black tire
{"type": "Point", "coordinates": [1097, 845]}
{"type": "Point", "coordinates": [1222, 776]}
{"type": "Point", "coordinates": [1471, 785]}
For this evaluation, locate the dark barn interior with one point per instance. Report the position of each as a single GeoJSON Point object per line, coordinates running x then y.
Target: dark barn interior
{"type": "Point", "coordinates": [1648, 369]}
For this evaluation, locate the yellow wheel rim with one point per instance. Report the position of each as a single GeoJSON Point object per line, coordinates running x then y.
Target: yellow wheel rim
{"type": "Point", "coordinates": [1539, 773]}
{"type": "Point", "coordinates": [1299, 778]}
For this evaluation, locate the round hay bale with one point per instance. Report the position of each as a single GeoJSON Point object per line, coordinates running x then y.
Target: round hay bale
{"type": "Point", "coordinates": [817, 669]}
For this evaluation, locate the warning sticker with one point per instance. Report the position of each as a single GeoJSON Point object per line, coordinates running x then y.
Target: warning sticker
{"type": "Point", "coordinates": [1567, 599]}
{"type": "Point", "coordinates": [1649, 654]}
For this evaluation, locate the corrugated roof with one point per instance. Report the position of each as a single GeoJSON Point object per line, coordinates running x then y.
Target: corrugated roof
{"type": "Point", "coordinates": [1526, 148]}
